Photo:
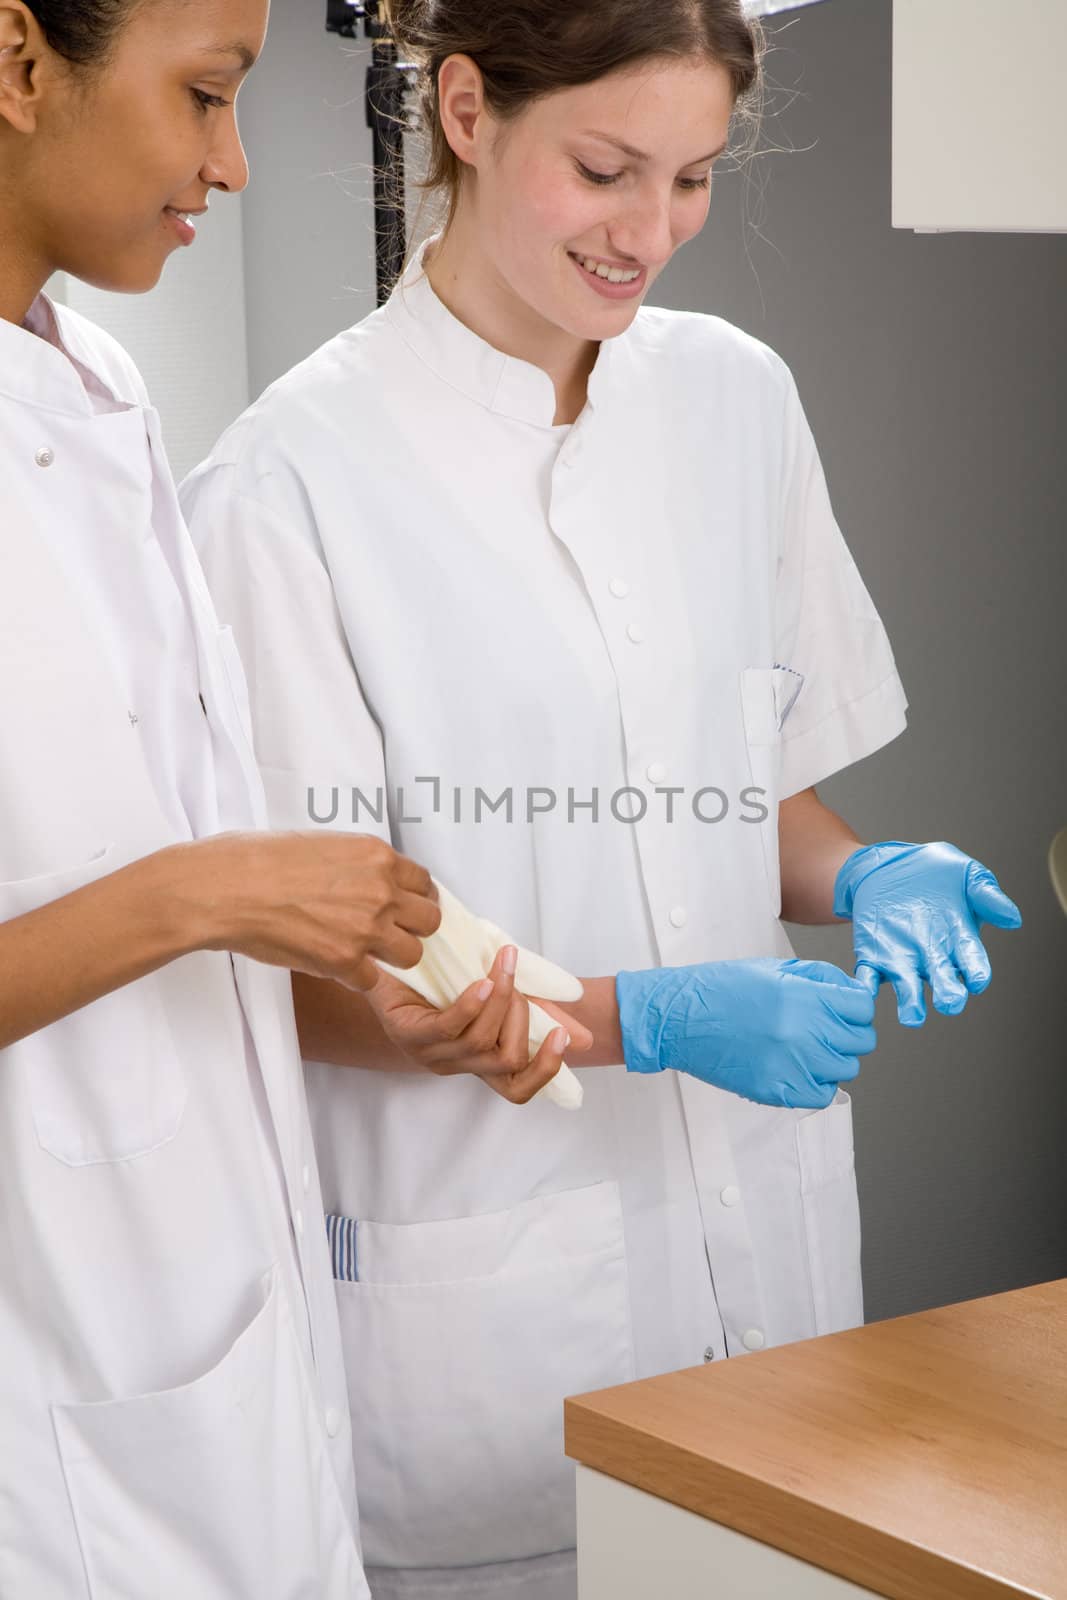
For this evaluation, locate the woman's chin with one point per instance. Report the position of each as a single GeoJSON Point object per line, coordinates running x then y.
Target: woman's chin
{"type": "Point", "coordinates": [122, 274]}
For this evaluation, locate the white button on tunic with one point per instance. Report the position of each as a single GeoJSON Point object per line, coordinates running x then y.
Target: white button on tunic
{"type": "Point", "coordinates": [577, 1246]}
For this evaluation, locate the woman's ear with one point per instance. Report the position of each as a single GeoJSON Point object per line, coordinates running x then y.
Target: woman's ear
{"type": "Point", "coordinates": [461, 102]}
{"type": "Point", "coordinates": [22, 53]}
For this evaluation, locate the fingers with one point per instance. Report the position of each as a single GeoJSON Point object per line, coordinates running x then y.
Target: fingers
{"type": "Point", "coordinates": [972, 962]}
{"type": "Point", "coordinates": [845, 997]}
{"type": "Point", "coordinates": [911, 1003]}
{"type": "Point", "coordinates": [869, 976]}
{"type": "Point", "coordinates": [398, 948]}
{"type": "Point", "coordinates": [817, 971]}
{"type": "Point", "coordinates": [424, 1033]}
{"type": "Point", "coordinates": [581, 1036]}
{"type": "Point", "coordinates": [514, 1041]}
{"type": "Point", "coordinates": [988, 900]}
{"type": "Point", "coordinates": [841, 1066]}
{"type": "Point", "coordinates": [417, 915]}
{"type": "Point", "coordinates": [949, 993]}
{"type": "Point", "coordinates": [455, 1019]}
{"type": "Point", "coordinates": [847, 1039]}
{"type": "Point", "coordinates": [484, 1035]}
{"type": "Point", "coordinates": [414, 879]}
{"type": "Point", "coordinates": [520, 1087]}
{"type": "Point", "coordinates": [805, 1093]}
{"type": "Point", "coordinates": [472, 1026]}
{"type": "Point", "coordinates": [364, 977]}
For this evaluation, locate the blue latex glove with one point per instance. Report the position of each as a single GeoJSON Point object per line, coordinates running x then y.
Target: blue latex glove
{"type": "Point", "coordinates": [784, 1033]}
{"type": "Point", "coordinates": [916, 910]}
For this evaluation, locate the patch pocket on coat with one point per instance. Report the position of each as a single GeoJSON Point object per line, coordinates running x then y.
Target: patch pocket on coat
{"type": "Point", "coordinates": [831, 1214]}
{"type": "Point", "coordinates": [217, 1489]}
{"type": "Point", "coordinates": [462, 1338]}
{"type": "Point", "coordinates": [104, 1083]}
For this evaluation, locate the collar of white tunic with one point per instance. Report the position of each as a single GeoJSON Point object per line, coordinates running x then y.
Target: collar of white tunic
{"type": "Point", "coordinates": [43, 362]}
{"type": "Point", "coordinates": [462, 358]}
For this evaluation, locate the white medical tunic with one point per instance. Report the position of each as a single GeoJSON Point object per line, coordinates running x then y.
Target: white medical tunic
{"type": "Point", "coordinates": [628, 626]}
{"type": "Point", "coordinates": [172, 1390]}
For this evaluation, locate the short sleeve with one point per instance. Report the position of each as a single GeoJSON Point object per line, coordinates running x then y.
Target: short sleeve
{"type": "Point", "coordinates": [318, 747]}
{"type": "Point", "coordinates": [827, 629]}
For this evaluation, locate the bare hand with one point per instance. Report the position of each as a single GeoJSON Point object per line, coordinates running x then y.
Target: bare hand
{"type": "Point", "coordinates": [316, 902]}
{"type": "Point", "coordinates": [485, 1032]}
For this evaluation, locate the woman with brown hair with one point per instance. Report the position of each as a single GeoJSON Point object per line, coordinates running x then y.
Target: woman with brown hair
{"type": "Point", "coordinates": [549, 580]}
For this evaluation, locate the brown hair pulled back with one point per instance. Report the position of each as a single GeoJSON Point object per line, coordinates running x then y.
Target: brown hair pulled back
{"type": "Point", "coordinates": [526, 49]}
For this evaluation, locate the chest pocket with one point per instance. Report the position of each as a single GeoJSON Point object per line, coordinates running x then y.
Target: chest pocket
{"type": "Point", "coordinates": [105, 1083]}
{"type": "Point", "coordinates": [767, 697]}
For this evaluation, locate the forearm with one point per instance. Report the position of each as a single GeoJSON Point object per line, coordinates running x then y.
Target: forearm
{"type": "Point", "coordinates": [813, 842]}
{"type": "Point", "coordinates": [64, 955]}
{"type": "Point", "coordinates": [598, 1010]}
{"type": "Point", "coordinates": [338, 1025]}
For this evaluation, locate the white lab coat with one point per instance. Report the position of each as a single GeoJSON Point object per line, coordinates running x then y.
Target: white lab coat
{"type": "Point", "coordinates": [428, 580]}
{"type": "Point", "coordinates": [171, 1384]}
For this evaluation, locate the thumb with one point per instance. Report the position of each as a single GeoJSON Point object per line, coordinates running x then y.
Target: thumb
{"type": "Point", "coordinates": [988, 900]}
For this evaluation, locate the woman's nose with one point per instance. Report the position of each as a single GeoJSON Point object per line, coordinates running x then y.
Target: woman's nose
{"type": "Point", "coordinates": [644, 232]}
{"type": "Point", "coordinates": [226, 166]}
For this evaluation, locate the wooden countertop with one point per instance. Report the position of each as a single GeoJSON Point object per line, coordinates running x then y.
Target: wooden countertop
{"type": "Point", "coordinates": [924, 1457]}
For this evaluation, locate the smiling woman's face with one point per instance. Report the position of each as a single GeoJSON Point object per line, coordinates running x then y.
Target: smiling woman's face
{"type": "Point", "coordinates": [118, 155]}
{"type": "Point", "coordinates": [615, 174]}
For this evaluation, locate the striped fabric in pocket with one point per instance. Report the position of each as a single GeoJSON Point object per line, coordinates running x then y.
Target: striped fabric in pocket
{"type": "Point", "coordinates": [341, 1234]}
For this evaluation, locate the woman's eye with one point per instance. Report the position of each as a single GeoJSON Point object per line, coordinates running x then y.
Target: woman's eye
{"type": "Point", "coordinates": [214, 100]}
{"type": "Point", "coordinates": [597, 177]}
{"type": "Point", "coordinates": [696, 183]}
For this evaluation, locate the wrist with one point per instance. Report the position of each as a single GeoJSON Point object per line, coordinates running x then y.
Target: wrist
{"type": "Point", "coordinates": [860, 865]}
{"type": "Point", "coordinates": [644, 1001]}
{"type": "Point", "coordinates": [189, 899]}
{"type": "Point", "coordinates": [143, 899]}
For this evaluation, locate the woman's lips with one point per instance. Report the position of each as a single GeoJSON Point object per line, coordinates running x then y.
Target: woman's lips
{"type": "Point", "coordinates": [625, 290]}
{"type": "Point", "coordinates": [181, 223]}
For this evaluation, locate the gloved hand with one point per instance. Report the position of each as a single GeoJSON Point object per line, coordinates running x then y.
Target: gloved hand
{"type": "Point", "coordinates": [462, 951]}
{"type": "Point", "coordinates": [783, 1033]}
{"type": "Point", "coordinates": [916, 910]}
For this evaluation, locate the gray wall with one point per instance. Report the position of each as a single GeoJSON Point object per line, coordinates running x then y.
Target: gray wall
{"type": "Point", "coordinates": [933, 370]}
{"type": "Point", "coordinates": [308, 222]}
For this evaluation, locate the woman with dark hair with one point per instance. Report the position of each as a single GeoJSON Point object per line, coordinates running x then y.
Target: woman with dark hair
{"type": "Point", "coordinates": [554, 576]}
{"type": "Point", "coordinates": [173, 1420]}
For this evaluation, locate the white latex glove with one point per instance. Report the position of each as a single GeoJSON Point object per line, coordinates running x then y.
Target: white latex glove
{"type": "Point", "coordinates": [462, 951]}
